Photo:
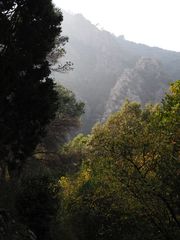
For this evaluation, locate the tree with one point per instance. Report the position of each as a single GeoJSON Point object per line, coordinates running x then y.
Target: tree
{"type": "Point", "coordinates": [128, 186]}
{"type": "Point", "coordinates": [67, 119]}
{"type": "Point", "coordinates": [29, 31]}
{"type": "Point", "coordinates": [73, 153]}
{"type": "Point", "coordinates": [37, 203]}
{"type": "Point", "coordinates": [142, 146]}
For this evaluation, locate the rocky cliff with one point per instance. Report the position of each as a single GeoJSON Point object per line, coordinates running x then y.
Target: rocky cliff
{"type": "Point", "coordinates": [144, 83]}
{"type": "Point", "coordinates": [108, 69]}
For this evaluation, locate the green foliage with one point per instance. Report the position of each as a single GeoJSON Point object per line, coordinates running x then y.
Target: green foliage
{"type": "Point", "coordinates": [68, 159]}
{"type": "Point", "coordinates": [171, 111]}
{"type": "Point", "coordinates": [128, 187]}
{"type": "Point", "coordinates": [76, 145]}
{"type": "Point", "coordinates": [67, 119]}
{"type": "Point", "coordinates": [68, 104]}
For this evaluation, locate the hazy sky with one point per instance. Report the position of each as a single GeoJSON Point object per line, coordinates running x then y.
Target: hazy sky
{"type": "Point", "coordinates": [153, 22]}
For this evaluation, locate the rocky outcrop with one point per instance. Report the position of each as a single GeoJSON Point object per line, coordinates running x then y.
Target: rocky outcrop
{"type": "Point", "coordinates": [145, 83]}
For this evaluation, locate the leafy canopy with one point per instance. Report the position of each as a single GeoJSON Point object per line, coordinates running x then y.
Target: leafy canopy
{"type": "Point", "coordinates": [128, 185]}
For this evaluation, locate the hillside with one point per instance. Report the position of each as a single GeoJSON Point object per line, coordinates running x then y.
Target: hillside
{"type": "Point", "coordinates": [108, 69]}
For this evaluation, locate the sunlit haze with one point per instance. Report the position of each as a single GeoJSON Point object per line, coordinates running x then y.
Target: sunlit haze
{"type": "Point", "coordinates": [153, 22]}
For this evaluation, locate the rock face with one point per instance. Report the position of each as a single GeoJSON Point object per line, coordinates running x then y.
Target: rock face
{"type": "Point", "coordinates": [108, 69]}
{"type": "Point", "coordinates": [144, 84]}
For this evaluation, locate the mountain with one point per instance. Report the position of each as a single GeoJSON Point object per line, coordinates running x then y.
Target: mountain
{"type": "Point", "coordinates": [143, 83]}
{"type": "Point", "coordinates": [109, 69]}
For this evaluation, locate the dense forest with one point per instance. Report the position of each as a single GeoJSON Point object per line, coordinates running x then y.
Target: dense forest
{"type": "Point", "coordinates": [120, 181]}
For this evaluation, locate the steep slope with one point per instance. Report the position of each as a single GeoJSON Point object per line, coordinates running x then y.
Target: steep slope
{"type": "Point", "coordinates": [144, 83]}
{"type": "Point", "coordinates": [101, 59]}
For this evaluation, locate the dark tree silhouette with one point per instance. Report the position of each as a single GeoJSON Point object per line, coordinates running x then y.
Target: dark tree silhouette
{"type": "Point", "coordinates": [29, 32]}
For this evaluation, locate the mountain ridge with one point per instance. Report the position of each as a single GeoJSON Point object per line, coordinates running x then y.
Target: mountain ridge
{"type": "Point", "coordinates": [100, 58]}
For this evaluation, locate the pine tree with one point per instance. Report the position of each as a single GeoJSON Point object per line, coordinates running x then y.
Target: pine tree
{"type": "Point", "coordinates": [29, 32]}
